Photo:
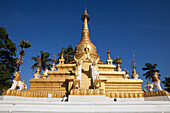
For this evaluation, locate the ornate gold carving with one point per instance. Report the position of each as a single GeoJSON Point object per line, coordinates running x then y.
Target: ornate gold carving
{"type": "Point", "coordinates": [42, 94]}
{"type": "Point", "coordinates": [125, 95]}
{"type": "Point", "coordinates": [134, 74]}
{"type": "Point", "coordinates": [37, 74]}
{"type": "Point", "coordinates": [17, 76]}
{"type": "Point", "coordinates": [156, 93]}
{"type": "Point", "coordinates": [87, 92]}
{"type": "Point", "coordinates": [109, 60]}
{"type": "Point", "coordinates": [61, 60]}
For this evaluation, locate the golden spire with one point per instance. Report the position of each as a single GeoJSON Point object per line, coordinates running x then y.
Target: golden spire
{"type": "Point", "coordinates": [108, 54]}
{"type": "Point", "coordinates": [85, 42]}
{"type": "Point", "coordinates": [118, 61]}
{"type": "Point", "coordinates": [37, 74]}
{"type": "Point", "coordinates": [109, 60]}
{"type": "Point", "coordinates": [38, 70]}
{"type": "Point", "coordinates": [53, 60]}
{"type": "Point", "coordinates": [61, 60]}
{"type": "Point", "coordinates": [133, 66]}
{"type": "Point", "coordinates": [85, 33]}
{"type": "Point", "coordinates": [62, 53]}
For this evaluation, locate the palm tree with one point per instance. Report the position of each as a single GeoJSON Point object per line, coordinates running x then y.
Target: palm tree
{"type": "Point", "coordinates": [42, 61]}
{"type": "Point", "coordinates": [167, 83]}
{"type": "Point", "coordinates": [151, 70]}
{"type": "Point", "coordinates": [23, 44]}
{"type": "Point", "coordinates": [68, 54]}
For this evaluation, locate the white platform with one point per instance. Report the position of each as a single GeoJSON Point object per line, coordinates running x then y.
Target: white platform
{"type": "Point", "coordinates": [100, 98]}
{"type": "Point", "coordinates": [50, 105]}
{"type": "Point", "coordinates": [16, 98]}
{"type": "Point", "coordinates": [158, 98]}
{"type": "Point", "coordinates": [87, 98]}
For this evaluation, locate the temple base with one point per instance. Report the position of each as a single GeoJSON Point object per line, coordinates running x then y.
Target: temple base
{"type": "Point", "coordinates": [13, 104]}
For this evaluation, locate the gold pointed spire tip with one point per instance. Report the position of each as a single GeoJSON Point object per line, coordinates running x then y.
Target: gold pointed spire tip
{"type": "Point", "coordinates": [117, 54]}
{"type": "Point", "coordinates": [85, 4]}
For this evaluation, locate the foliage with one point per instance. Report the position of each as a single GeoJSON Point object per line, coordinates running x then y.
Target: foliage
{"type": "Point", "coordinates": [42, 61]}
{"type": "Point", "coordinates": [151, 70]}
{"type": "Point", "coordinates": [68, 54]}
{"type": "Point", "coordinates": [167, 83]}
{"type": "Point", "coordinates": [24, 44]}
{"type": "Point", "coordinates": [7, 60]}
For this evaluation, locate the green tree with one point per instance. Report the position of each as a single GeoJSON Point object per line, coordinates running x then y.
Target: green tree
{"type": "Point", "coordinates": [151, 69]}
{"type": "Point", "coordinates": [167, 83]}
{"type": "Point", "coordinates": [23, 44]}
{"type": "Point", "coordinates": [7, 60]}
{"type": "Point", "coordinates": [42, 61]}
{"type": "Point", "coordinates": [68, 54]}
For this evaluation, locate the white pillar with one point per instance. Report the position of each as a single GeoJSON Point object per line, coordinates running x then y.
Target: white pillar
{"type": "Point", "coordinates": [93, 72]}
{"type": "Point", "coordinates": [79, 71]}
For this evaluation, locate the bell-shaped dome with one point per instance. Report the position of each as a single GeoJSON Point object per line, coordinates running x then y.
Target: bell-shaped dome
{"type": "Point", "coordinates": [85, 45]}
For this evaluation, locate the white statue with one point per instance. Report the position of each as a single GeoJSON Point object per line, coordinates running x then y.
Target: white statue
{"type": "Point", "coordinates": [76, 85]}
{"type": "Point", "coordinates": [17, 82]}
{"type": "Point", "coordinates": [45, 75]}
{"type": "Point", "coordinates": [155, 83]}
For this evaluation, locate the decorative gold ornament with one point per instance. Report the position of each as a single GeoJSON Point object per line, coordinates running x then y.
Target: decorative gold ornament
{"type": "Point", "coordinates": [17, 76]}
{"type": "Point", "coordinates": [126, 74]}
{"type": "Point", "coordinates": [134, 74]}
{"type": "Point", "coordinates": [53, 65]}
{"type": "Point", "coordinates": [37, 74]}
{"type": "Point", "coordinates": [109, 60]}
{"type": "Point", "coordinates": [61, 60]}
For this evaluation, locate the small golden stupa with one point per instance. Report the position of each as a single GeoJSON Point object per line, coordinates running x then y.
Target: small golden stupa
{"type": "Point", "coordinates": [86, 74]}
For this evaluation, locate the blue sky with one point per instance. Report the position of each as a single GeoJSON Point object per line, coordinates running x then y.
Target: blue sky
{"type": "Point", "coordinates": [140, 27]}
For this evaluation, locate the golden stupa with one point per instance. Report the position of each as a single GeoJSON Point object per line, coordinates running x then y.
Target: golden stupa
{"type": "Point", "coordinates": [86, 74]}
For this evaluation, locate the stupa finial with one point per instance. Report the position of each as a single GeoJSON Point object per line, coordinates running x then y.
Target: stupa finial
{"type": "Point", "coordinates": [85, 4]}
{"type": "Point", "coordinates": [108, 55]}
{"type": "Point", "coordinates": [85, 42]}
{"type": "Point", "coordinates": [85, 13]}
{"type": "Point", "coordinates": [53, 60]}
{"type": "Point", "coordinates": [133, 66]}
{"type": "Point", "coordinates": [109, 60]}
{"type": "Point", "coordinates": [62, 53]}
{"type": "Point", "coordinates": [61, 60]}
{"type": "Point", "coordinates": [118, 61]}
{"type": "Point", "coordinates": [37, 74]}
{"type": "Point", "coordinates": [117, 54]}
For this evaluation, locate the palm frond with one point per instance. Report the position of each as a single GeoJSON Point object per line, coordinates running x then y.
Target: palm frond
{"type": "Point", "coordinates": [151, 69]}
{"type": "Point", "coordinates": [24, 44]}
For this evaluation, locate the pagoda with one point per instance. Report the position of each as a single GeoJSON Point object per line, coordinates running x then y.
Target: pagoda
{"type": "Point", "coordinates": [85, 75]}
